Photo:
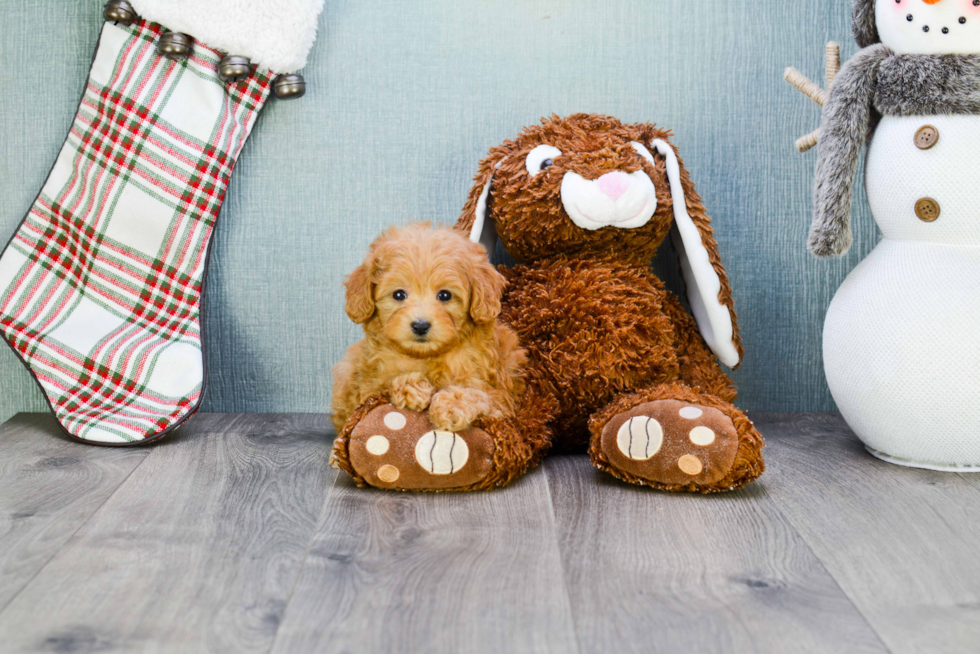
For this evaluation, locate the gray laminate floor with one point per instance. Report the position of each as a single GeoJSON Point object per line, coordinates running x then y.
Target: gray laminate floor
{"type": "Point", "coordinates": [234, 535]}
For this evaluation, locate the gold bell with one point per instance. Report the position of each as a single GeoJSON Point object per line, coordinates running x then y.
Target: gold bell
{"type": "Point", "coordinates": [289, 87]}
{"type": "Point", "coordinates": [174, 45]}
{"type": "Point", "coordinates": [233, 68]}
{"type": "Point", "coordinates": [119, 11]}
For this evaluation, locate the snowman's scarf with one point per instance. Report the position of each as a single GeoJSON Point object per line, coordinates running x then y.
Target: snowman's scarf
{"type": "Point", "coordinates": [874, 83]}
{"type": "Point", "coordinates": [922, 85]}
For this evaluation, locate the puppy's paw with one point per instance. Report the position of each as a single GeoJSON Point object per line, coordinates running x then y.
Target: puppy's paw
{"type": "Point", "coordinates": [412, 392]}
{"type": "Point", "coordinates": [455, 408]}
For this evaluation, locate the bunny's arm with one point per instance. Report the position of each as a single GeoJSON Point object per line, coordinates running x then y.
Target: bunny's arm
{"type": "Point", "coordinates": [845, 130]}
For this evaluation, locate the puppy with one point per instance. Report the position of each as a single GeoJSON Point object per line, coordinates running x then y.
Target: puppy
{"type": "Point", "coordinates": [428, 300]}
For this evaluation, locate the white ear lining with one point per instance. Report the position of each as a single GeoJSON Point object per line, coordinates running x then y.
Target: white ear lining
{"type": "Point", "coordinates": [703, 284]}
{"type": "Point", "coordinates": [484, 231]}
{"type": "Point", "coordinates": [476, 232]}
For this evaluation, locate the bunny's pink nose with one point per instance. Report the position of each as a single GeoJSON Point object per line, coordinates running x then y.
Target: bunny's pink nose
{"type": "Point", "coordinates": [614, 184]}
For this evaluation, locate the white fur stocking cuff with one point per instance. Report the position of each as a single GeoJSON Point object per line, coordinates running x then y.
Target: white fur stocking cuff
{"type": "Point", "coordinates": [275, 34]}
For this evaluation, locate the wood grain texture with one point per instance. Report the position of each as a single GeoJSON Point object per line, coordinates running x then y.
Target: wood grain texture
{"type": "Point", "coordinates": [49, 487]}
{"type": "Point", "coordinates": [455, 573]}
{"type": "Point", "coordinates": [656, 572]}
{"type": "Point", "coordinates": [197, 551]}
{"type": "Point", "coordinates": [404, 99]}
{"type": "Point", "coordinates": [234, 536]}
{"type": "Point", "coordinates": [902, 543]}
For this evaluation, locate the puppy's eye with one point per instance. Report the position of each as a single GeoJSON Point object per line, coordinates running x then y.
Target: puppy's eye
{"type": "Point", "coordinates": [399, 296]}
{"type": "Point", "coordinates": [444, 296]}
{"type": "Point", "coordinates": [540, 158]}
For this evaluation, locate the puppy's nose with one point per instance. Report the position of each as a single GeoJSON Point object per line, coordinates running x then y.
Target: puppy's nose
{"type": "Point", "coordinates": [614, 184]}
{"type": "Point", "coordinates": [420, 327]}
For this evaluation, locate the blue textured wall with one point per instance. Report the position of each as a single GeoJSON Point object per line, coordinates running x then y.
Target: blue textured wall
{"type": "Point", "coordinates": [405, 98]}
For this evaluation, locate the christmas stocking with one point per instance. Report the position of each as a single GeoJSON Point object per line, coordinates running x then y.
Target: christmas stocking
{"type": "Point", "coordinates": [100, 287]}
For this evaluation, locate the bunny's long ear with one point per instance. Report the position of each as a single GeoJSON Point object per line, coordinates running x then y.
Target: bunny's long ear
{"type": "Point", "coordinates": [477, 219]}
{"type": "Point", "coordinates": [708, 290]}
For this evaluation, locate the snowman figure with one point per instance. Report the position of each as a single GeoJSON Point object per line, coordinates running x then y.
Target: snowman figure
{"type": "Point", "coordinates": [902, 335]}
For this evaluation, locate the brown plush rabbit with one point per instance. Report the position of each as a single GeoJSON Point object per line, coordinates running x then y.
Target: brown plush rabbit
{"type": "Point", "coordinates": [583, 203]}
{"type": "Point", "coordinates": [615, 363]}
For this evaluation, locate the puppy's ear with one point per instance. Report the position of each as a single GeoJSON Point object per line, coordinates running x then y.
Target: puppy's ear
{"type": "Point", "coordinates": [360, 291]}
{"type": "Point", "coordinates": [708, 290]}
{"type": "Point", "coordinates": [487, 289]}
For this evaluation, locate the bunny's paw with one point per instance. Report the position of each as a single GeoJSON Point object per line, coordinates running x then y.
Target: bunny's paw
{"type": "Point", "coordinates": [671, 444]}
{"type": "Point", "coordinates": [398, 449]}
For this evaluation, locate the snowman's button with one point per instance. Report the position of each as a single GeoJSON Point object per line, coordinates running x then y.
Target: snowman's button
{"type": "Point", "coordinates": [927, 210]}
{"type": "Point", "coordinates": [926, 137]}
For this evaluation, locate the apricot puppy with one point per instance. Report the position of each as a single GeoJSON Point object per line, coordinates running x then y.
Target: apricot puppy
{"type": "Point", "coordinates": [428, 300]}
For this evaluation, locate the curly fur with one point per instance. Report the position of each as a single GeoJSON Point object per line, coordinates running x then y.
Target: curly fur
{"type": "Point", "coordinates": [533, 225]}
{"type": "Point", "coordinates": [623, 331]}
{"type": "Point", "coordinates": [467, 365]}
{"type": "Point", "coordinates": [597, 325]}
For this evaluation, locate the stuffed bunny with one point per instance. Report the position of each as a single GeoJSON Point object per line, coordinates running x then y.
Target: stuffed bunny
{"type": "Point", "coordinates": [900, 347]}
{"type": "Point", "coordinates": [583, 203]}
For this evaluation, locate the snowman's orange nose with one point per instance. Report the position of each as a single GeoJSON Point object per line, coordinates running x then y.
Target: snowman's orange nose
{"type": "Point", "coordinates": [932, 2]}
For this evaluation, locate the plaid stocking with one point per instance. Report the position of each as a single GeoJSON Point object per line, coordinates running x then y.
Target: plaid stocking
{"type": "Point", "coordinates": [100, 287]}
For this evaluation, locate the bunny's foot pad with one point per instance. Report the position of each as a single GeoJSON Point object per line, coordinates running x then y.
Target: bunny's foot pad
{"type": "Point", "coordinates": [670, 444]}
{"type": "Point", "coordinates": [398, 449]}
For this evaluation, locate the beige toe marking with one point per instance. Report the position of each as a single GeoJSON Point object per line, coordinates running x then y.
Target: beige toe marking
{"type": "Point", "coordinates": [388, 474]}
{"type": "Point", "coordinates": [640, 438]}
{"type": "Point", "coordinates": [690, 465]}
{"type": "Point", "coordinates": [441, 452]}
{"type": "Point", "coordinates": [377, 445]}
{"type": "Point", "coordinates": [395, 421]}
{"type": "Point", "coordinates": [702, 436]}
{"type": "Point", "coordinates": [691, 412]}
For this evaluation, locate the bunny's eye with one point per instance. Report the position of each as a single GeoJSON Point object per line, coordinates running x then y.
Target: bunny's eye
{"type": "Point", "coordinates": [541, 158]}
{"type": "Point", "coordinates": [399, 296]}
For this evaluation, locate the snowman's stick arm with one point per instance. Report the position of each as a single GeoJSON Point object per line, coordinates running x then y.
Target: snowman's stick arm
{"type": "Point", "coordinates": [804, 85]}
{"type": "Point", "coordinates": [832, 62]}
{"type": "Point", "coordinates": [807, 87]}
{"type": "Point", "coordinates": [804, 143]}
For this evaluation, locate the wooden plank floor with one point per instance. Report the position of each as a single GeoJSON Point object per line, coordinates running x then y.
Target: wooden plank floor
{"type": "Point", "coordinates": [233, 535]}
